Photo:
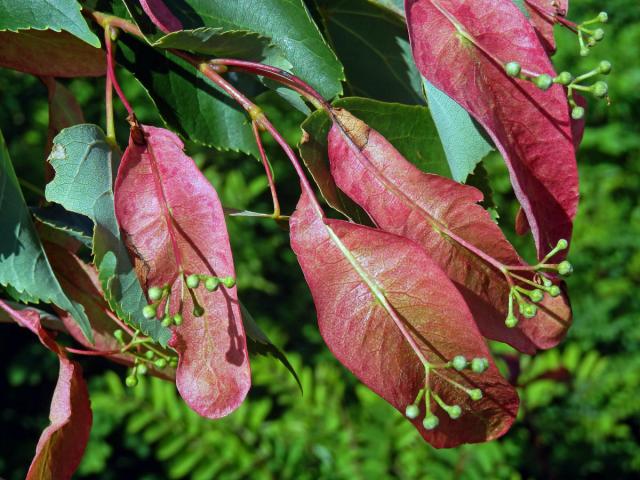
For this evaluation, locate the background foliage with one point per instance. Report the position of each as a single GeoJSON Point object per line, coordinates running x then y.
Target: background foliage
{"type": "Point", "coordinates": [583, 424]}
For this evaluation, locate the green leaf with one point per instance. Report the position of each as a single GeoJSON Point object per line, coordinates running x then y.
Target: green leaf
{"type": "Point", "coordinates": [373, 46]}
{"type": "Point", "coordinates": [69, 223]}
{"type": "Point", "coordinates": [56, 15]}
{"type": "Point", "coordinates": [396, 6]}
{"type": "Point", "coordinates": [84, 162]}
{"type": "Point", "coordinates": [23, 263]}
{"type": "Point", "coordinates": [464, 142]}
{"type": "Point", "coordinates": [259, 343]}
{"type": "Point", "coordinates": [217, 42]}
{"type": "Point", "coordinates": [286, 23]}
{"type": "Point", "coordinates": [188, 102]}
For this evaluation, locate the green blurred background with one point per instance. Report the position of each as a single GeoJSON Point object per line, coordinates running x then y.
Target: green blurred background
{"type": "Point", "coordinates": [580, 415]}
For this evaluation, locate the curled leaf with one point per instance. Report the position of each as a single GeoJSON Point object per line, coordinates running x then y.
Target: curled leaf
{"type": "Point", "coordinates": [461, 48]}
{"type": "Point", "coordinates": [444, 218]}
{"type": "Point", "coordinates": [174, 227]}
{"type": "Point", "coordinates": [62, 443]}
{"type": "Point", "coordinates": [386, 310]}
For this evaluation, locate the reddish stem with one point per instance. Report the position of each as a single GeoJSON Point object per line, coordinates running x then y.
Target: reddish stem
{"type": "Point", "coordinates": [267, 169]}
{"type": "Point", "coordinates": [92, 353]}
{"type": "Point", "coordinates": [111, 73]}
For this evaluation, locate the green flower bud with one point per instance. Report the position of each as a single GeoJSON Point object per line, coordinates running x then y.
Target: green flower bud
{"type": "Point", "coordinates": [577, 113]}
{"type": "Point", "coordinates": [603, 17]}
{"type": "Point", "coordinates": [149, 355]}
{"type": "Point", "coordinates": [562, 244]}
{"type": "Point", "coordinates": [475, 394]}
{"type": "Point", "coordinates": [479, 364]}
{"type": "Point", "coordinates": [177, 319]}
{"type": "Point", "coordinates": [600, 89]}
{"type": "Point", "coordinates": [543, 82]}
{"type": "Point", "coordinates": [211, 284]}
{"type": "Point", "coordinates": [166, 321]}
{"type": "Point", "coordinates": [149, 312]}
{"type": "Point", "coordinates": [546, 282]}
{"type": "Point", "coordinates": [513, 69]}
{"type": "Point", "coordinates": [193, 281]}
{"type": "Point", "coordinates": [118, 335]}
{"type": "Point", "coordinates": [591, 42]}
{"type": "Point", "coordinates": [536, 295]}
{"type": "Point", "coordinates": [142, 369]}
{"type": "Point", "coordinates": [412, 411]}
{"type": "Point", "coordinates": [459, 362]}
{"type": "Point", "coordinates": [584, 51]}
{"type": "Point", "coordinates": [565, 78]}
{"type": "Point", "coordinates": [511, 321]}
{"type": "Point", "coordinates": [228, 282]}
{"type": "Point", "coordinates": [173, 362]}
{"type": "Point", "coordinates": [528, 310]}
{"type": "Point", "coordinates": [155, 293]}
{"type": "Point", "coordinates": [565, 268]}
{"type": "Point", "coordinates": [430, 422]}
{"type": "Point", "coordinates": [160, 363]}
{"type": "Point", "coordinates": [604, 67]}
{"type": "Point", "coordinates": [198, 311]}
{"type": "Point", "coordinates": [598, 34]}
{"type": "Point", "coordinates": [554, 290]}
{"type": "Point", "coordinates": [454, 411]}
{"type": "Point", "coordinates": [131, 381]}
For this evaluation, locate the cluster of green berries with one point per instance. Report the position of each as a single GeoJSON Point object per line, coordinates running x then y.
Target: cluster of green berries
{"type": "Point", "coordinates": [458, 363]}
{"type": "Point", "coordinates": [541, 286]}
{"type": "Point", "coordinates": [158, 294]}
{"type": "Point", "coordinates": [588, 37]}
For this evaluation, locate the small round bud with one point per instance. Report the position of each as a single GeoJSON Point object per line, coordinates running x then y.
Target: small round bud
{"type": "Point", "coordinates": [211, 284]}
{"type": "Point", "coordinates": [513, 69]}
{"type": "Point", "coordinates": [604, 67]}
{"type": "Point", "coordinates": [177, 319]}
{"type": "Point", "coordinates": [600, 89]}
{"type": "Point", "coordinates": [118, 335]}
{"type": "Point", "coordinates": [584, 51]}
{"type": "Point", "coordinates": [228, 282]}
{"type": "Point", "coordinates": [142, 369]}
{"type": "Point", "coordinates": [475, 394]}
{"type": "Point", "coordinates": [562, 244]}
{"type": "Point", "coordinates": [603, 17]}
{"type": "Point", "coordinates": [149, 355]}
{"type": "Point", "coordinates": [554, 290]}
{"type": "Point", "coordinates": [459, 362]}
{"type": "Point", "coordinates": [511, 321]}
{"type": "Point", "coordinates": [543, 82]}
{"type": "Point", "coordinates": [160, 363]}
{"type": "Point", "coordinates": [546, 282]}
{"type": "Point", "coordinates": [528, 310]}
{"type": "Point", "coordinates": [564, 78]}
{"type": "Point", "coordinates": [155, 293]}
{"type": "Point", "coordinates": [166, 321]}
{"type": "Point", "coordinates": [598, 34]}
{"type": "Point", "coordinates": [430, 422]}
{"type": "Point", "coordinates": [479, 364]}
{"type": "Point", "coordinates": [536, 295]}
{"type": "Point", "coordinates": [131, 381]}
{"type": "Point", "coordinates": [173, 362]}
{"type": "Point", "coordinates": [412, 411]}
{"type": "Point", "coordinates": [454, 411]}
{"type": "Point", "coordinates": [591, 42]}
{"type": "Point", "coordinates": [198, 311]}
{"type": "Point", "coordinates": [149, 312]}
{"type": "Point", "coordinates": [577, 113]}
{"type": "Point", "coordinates": [193, 281]}
{"type": "Point", "coordinates": [565, 268]}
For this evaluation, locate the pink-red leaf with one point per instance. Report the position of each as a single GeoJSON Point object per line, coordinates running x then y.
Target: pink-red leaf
{"type": "Point", "coordinates": [530, 127]}
{"type": "Point", "coordinates": [62, 443]}
{"type": "Point", "coordinates": [49, 53]}
{"type": "Point", "coordinates": [173, 223]}
{"type": "Point", "coordinates": [444, 218]}
{"type": "Point", "coordinates": [381, 304]}
{"type": "Point", "coordinates": [542, 16]}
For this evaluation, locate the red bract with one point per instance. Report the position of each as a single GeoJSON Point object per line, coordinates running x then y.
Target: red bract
{"type": "Point", "coordinates": [542, 16]}
{"type": "Point", "coordinates": [385, 309]}
{"type": "Point", "coordinates": [62, 443]}
{"type": "Point", "coordinates": [445, 219]}
{"type": "Point", "coordinates": [461, 48]}
{"type": "Point", "coordinates": [174, 226]}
